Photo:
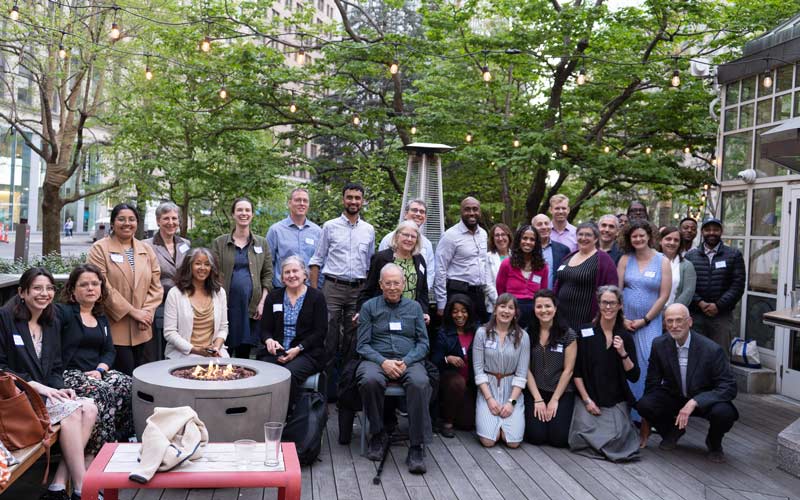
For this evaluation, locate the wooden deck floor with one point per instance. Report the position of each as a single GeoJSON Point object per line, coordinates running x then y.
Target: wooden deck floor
{"type": "Point", "coordinates": [461, 469]}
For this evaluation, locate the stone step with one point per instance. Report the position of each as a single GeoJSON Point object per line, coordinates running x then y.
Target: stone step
{"type": "Point", "coordinates": [789, 449]}
{"type": "Point", "coordinates": [754, 380]}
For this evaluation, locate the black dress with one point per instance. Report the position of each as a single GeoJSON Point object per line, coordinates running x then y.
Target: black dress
{"type": "Point", "coordinates": [576, 289]}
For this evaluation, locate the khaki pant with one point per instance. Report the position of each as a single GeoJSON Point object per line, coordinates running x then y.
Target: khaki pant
{"type": "Point", "coordinates": [718, 328]}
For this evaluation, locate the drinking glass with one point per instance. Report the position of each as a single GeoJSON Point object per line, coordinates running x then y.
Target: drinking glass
{"type": "Point", "coordinates": [795, 295]}
{"type": "Point", "coordinates": [272, 441]}
{"type": "Point", "coordinates": [244, 450]}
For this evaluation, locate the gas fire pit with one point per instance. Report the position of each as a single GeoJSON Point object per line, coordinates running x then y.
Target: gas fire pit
{"type": "Point", "coordinates": [233, 398]}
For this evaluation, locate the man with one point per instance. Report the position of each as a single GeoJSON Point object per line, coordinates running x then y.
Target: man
{"type": "Point", "coordinates": [637, 210]}
{"type": "Point", "coordinates": [609, 230]}
{"type": "Point", "coordinates": [393, 343]}
{"type": "Point", "coordinates": [461, 261]}
{"type": "Point", "coordinates": [345, 249]}
{"type": "Point", "coordinates": [417, 212]}
{"type": "Point", "coordinates": [688, 375]}
{"type": "Point", "coordinates": [623, 221]}
{"type": "Point", "coordinates": [294, 235]}
{"type": "Point", "coordinates": [552, 251]}
{"type": "Point", "coordinates": [720, 284]}
{"type": "Point", "coordinates": [563, 231]}
{"type": "Point", "coordinates": [688, 230]}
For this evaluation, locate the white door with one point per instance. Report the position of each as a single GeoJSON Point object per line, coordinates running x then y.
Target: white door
{"type": "Point", "coordinates": [788, 362]}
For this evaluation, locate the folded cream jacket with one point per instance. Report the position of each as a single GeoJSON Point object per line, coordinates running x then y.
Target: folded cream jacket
{"type": "Point", "coordinates": [179, 319]}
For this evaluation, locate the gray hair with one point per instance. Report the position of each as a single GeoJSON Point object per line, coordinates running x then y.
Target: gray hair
{"type": "Point", "coordinates": [165, 207]}
{"type": "Point", "coordinates": [609, 289]}
{"type": "Point", "coordinates": [410, 224]}
{"type": "Point", "coordinates": [294, 259]}
{"type": "Point", "coordinates": [391, 266]}
{"type": "Point", "coordinates": [418, 201]}
{"type": "Point", "coordinates": [293, 191]}
{"type": "Point", "coordinates": [609, 216]}
{"type": "Point", "coordinates": [593, 227]}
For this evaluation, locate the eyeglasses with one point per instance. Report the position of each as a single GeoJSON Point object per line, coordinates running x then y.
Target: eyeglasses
{"type": "Point", "coordinates": [40, 289]}
{"type": "Point", "coordinates": [408, 235]}
{"type": "Point", "coordinates": [607, 304]}
{"type": "Point", "coordinates": [675, 321]}
{"type": "Point", "coordinates": [417, 211]}
{"type": "Point", "coordinates": [392, 284]}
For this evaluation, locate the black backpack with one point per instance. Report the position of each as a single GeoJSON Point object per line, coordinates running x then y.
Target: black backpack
{"type": "Point", "coordinates": [307, 425]}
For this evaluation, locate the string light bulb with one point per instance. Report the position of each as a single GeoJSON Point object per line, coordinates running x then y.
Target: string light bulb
{"type": "Point", "coordinates": [516, 142]}
{"type": "Point", "coordinates": [115, 33]}
{"type": "Point", "coordinates": [292, 107]}
{"type": "Point", "coordinates": [148, 74]}
{"type": "Point", "coordinates": [413, 130]}
{"type": "Point", "coordinates": [713, 162]}
{"type": "Point", "coordinates": [705, 187]}
{"type": "Point", "coordinates": [675, 81]}
{"type": "Point", "coordinates": [356, 119]}
{"type": "Point", "coordinates": [687, 150]}
{"type": "Point", "coordinates": [648, 150]}
{"type": "Point", "coordinates": [223, 93]}
{"type": "Point", "coordinates": [62, 52]}
{"type": "Point", "coordinates": [301, 57]}
{"type": "Point", "coordinates": [607, 149]}
{"type": "Point", "coordinates": [394, 67]}
{"type": "Point", "coordinates": [468, 137]}
{"type": "Point", "coordinates": [14, 12]}
{"type": "Point", "coordinates": [582, 77]}
{"type": "Point", "coordinates": [565, 147]}
{"type": "Point", "coordinates": [205, 44]}
{"type": "Point", "coordinates": [766, 81]}
{"type": "Point", "coordinates": [487, 75]}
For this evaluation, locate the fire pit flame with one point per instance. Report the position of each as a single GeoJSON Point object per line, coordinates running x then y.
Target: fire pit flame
{"type": "Point", "coordinates": [214, 371]}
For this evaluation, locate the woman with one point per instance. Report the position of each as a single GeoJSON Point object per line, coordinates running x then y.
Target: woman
{"type": "Point", "coordinates": [684, 276]}
{"type": "Point", "coordinates": [30, 347]}
{"type": "Point", "coordinates": [294, 326]}
{"type": "Point", "coordinates": [405, 252]}
{"type": "Point", "coordinates": [196, 310]}
{"type": "Point", "coordinates": [87, 354]}
{"type": "Point", "coordinates": [499, 245]}
{"type": "Point", "coordinates": [500, 355]}
{"type": "Point", "coordinates": [132, 275]}
{"type": "Point", "coordinates": [580, 274]}
{"type": "Point", "coordinates": [246, 269]}
{"type": "Point", "coordinates": [645, 278]}
{"type": "Point", "coordinates": [525, 273]}
{"type": "Point", "coordinates": [607, 362]}
{"type": "Point", "coordinates": [451, 354]}
{"type": "Point", "coordinates": [550, 399]}
{"type": "Point", "coordinates": [170, 249]}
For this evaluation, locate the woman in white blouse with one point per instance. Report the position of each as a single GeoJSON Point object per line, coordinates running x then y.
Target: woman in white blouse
{"type": "Point", "coordinates": [499, 245]}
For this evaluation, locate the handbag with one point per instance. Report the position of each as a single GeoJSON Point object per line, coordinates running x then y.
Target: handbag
{"type": "Point", "coordinates": [745, 353]}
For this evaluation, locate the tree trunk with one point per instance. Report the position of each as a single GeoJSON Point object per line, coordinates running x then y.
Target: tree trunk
{"type": "Point", "coordinates": [51, 219]}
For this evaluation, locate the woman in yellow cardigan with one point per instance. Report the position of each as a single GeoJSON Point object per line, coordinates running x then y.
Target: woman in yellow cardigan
{"type": "Point", "coordinates": [134, 288]}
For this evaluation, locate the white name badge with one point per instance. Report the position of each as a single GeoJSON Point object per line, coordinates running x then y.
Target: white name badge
{"type": "Point", "coordinates": [719, 265]}
{"type": "Point", "coordinates": [395, 326]}
{"type": "Point", "coordinates": [309, 241]}
{"type": "Point", "coordinates": [117, 258]}
{"type": "Point", "coordinates": [587, 332]}
{"type": "Point", "coordinates": [490, 344]}
{"type": "Point", "coordinates": [276, 308]}
{"type": "Point", "coordinates": [18, 340]}
{"type": "Point", "coordinates": [561, 267]}
{"type": "Point", "coordinates": [537, 279]}
{"type": "Point", "coordinates": [258, 249]}
{"type": "Point", "coordinates": [183, 248]}
{"type": "Point", "coordinates": [464, 351]}
{"type": "Point", "coordinates": [421, 268]}
{"type": "Point", "coordinates": [650, 274]}
{"type": "Point", "coordinates": [558, 348]}
{"type": "Point", "coordinates": [105, 331]}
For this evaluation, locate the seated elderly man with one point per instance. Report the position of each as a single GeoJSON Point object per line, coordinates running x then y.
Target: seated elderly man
{"type": "Point", "coordinates": [393, 343]}
{"type": "Point", "coordinates": [689, 375]}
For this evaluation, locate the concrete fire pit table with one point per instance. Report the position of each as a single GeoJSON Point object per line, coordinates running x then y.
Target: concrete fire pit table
{"type": "Point", "coordinates": [231, 409]}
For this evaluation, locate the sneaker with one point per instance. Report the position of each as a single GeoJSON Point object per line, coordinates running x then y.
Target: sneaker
{"type": "Point", "coordinates": [670, 441]}
{"type": "Point", "coordinates": [55, 495]}
{"type": "Point", "coordinates": [377, 446]}
{"type": "Point", "coordinates": [416, 460]}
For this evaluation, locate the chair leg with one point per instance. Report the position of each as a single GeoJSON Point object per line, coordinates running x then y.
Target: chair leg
{"type": "Point", "coordinates": [362, 419]}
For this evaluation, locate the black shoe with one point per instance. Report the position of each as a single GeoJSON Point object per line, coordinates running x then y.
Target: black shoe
{"type": "Point", "coordinates": [55, 495]}
{"type": "Point", "coordinates": [715, 453]}
{"type": "Point", "coordinates": [670, 441]}
{"type": "Point", "coordinates": [416, 460]}
{"type": "Point", "coordinates": [377, 446]}
{"type": "Point", "coordinates": [447, 431]}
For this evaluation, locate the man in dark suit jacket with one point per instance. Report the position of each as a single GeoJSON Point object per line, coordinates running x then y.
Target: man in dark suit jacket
{"type": "Point", "coordinates": [552, 251]}
{"type": "Point", "coordinates": [688, 375]}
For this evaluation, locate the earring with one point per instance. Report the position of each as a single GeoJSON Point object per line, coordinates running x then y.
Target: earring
{"type": "Point", "coordinates": [22, 300]}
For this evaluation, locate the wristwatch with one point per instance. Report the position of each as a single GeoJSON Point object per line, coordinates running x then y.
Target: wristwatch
{"type": "Point", "coordinates": [513, 401]}
{"type": "Point", "coordinates": [300, 346]}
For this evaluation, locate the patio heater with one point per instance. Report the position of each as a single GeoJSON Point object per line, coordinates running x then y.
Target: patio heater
{"type": "Point", "coordinates": [424, 181]}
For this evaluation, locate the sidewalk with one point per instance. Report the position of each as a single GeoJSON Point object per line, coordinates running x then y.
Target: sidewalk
{"type": "Point", "coordinates": [78, 244]}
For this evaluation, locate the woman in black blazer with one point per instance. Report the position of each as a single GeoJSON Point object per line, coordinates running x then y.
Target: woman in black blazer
{"type": "Point", "coordinates": [30, 347]}
{"type": "Point", "coordinates": [87, 353]}
{"type": "Point", "coordinates": [405, 252]}
{"type": "Point", "coordinates": [294, 325]}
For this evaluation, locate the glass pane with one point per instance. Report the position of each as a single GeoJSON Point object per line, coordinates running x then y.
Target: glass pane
{"type": "Point", "coordinates": [736, 243]}
{"type": "Point", "coordinates": [796, 281]}
{"type": "Point", "coordinates": [755, 329]}
{"type": "Point", "coordinates": [736, 154]}
{"type": "Point", "coordinates": [764, 166]}
{"type": "Point", "coordinates": [734, 209]}
{"type": "Point", "coordinates": [764, 111]}
{"type": "Point", "coordinates": [748, 89]}
{"type": "Point", "coordinates": [763, 268]}
{"type": "Point", "coordinates": [796, 104]}
{"type": "Point", "coordinates": [767, 205]}
{"type": "Point", "coordinates": [762, 90]}
{"type": "Point", "coordinates": [783, 107]}
{"type": "Point", "coordinates": [731, 115]}
{"type": "Point", "coordinates": [794, 350]}
{"type": "Point", "coordinates": [731, 93]}
{"type": "Point", "coordinates": [746, 118]}
{"type": "Point", "coordinates": [783, 80]}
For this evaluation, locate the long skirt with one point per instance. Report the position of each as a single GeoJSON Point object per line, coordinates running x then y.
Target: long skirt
{"type": "Point", "coordinates": [610, 435]}
{"type": "Point", "coordinates": [112, 395]}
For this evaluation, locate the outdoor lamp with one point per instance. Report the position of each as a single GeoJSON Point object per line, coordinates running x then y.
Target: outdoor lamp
{"type": "Point", "coordinates": [676, 78]}
{"type": "Point", "coordinates": [14, 12]}
{"type": "Point", "coordinates": [205, 44]}
{"type": "Point", "coordinates": [115, 33]}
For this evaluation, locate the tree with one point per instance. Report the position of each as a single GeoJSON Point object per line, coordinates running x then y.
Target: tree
{"type": "Point", "coordinates": [60, 51]}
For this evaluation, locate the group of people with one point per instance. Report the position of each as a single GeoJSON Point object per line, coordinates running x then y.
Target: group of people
{"type": "Point", "coordinates": [551, 333]}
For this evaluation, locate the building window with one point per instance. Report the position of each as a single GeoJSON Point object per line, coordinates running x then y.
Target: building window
{"type": "Point", "coordinates": [288, 4]}
{"type": "Point", "coordinates": [24, 86]}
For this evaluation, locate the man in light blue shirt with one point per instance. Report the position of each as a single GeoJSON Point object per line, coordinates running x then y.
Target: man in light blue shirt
{"type": "Point", "coordinates": [417, 212]}
{"type": "Point", "coordinates": [294, 235]}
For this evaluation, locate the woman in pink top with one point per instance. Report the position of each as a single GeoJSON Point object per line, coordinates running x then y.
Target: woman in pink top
{"type": "Point", "coordinates": [524, 273]}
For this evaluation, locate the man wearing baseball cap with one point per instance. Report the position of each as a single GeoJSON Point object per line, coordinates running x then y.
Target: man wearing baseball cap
{"type": "Point", "coordinates": [720, 284]}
